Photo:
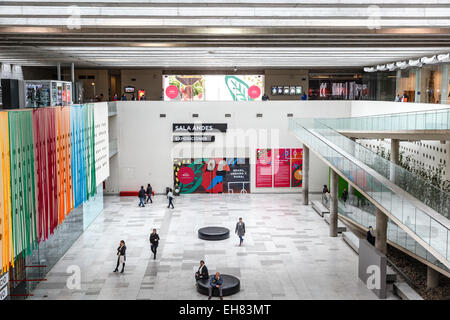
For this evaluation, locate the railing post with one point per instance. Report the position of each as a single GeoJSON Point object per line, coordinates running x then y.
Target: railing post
{"type": "Point", "coordinates": [334, 204]}
{"type": "Point", "coordinates": [305, 182]}
{"type": "Point", "coordinates": [381, 231]}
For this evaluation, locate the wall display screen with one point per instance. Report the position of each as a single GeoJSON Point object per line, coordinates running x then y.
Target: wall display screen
{"type": "Point", "coordinates": [212, 175]}
{"type": "Point", "coordinates": [129, 89]}
{"type": "Point", "coordinates": [292, 90]}
{"type": "Point", "coordinates": [274, 91]}
{"type": "Point", "coordinates": [213, 87]}
{"type": "Point", "coordinates": [286, 90]}
{"type": "Point", "coordinates": [37, 95]}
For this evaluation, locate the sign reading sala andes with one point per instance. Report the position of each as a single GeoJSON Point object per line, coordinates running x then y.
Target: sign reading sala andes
{"type": "Point", "coordinates": [199, 127]}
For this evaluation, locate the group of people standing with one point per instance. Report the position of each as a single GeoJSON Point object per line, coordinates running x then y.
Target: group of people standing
{"type": "Point", "coordinates": [122, 249]}
{"type": "Point", "coordinates": [145, 195]}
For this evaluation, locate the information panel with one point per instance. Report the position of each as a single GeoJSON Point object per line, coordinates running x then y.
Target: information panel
{"type": "Point", "coordinates": [101, 142]}
{"type": "Point", "coordinates": [296, 167]}
{"type": "Point", "coordinates": [281, 169]}
{"type": "Point", "coordinates": [263, 168]}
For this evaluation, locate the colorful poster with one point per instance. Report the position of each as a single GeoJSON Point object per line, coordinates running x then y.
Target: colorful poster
{"type": "Point", "coordinates": [213, 87]}
{"type": "Point", "coordinates": [296, 167]}
{"type": "Point", "coordinates": [184, 87]}
{"type": "Point", "coordinates": [212, 175]}
{"type": "Point", "coordinates": [281, 168]}
{"type": "Point", "coordinates": [263, 168]}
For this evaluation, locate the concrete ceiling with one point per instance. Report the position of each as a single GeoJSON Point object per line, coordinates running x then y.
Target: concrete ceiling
{"type": "Point", "coordinates": [228, 33]}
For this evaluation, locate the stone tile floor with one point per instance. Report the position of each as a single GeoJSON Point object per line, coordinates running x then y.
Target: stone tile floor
{"type": "Point", "coordinates": [287, 253]}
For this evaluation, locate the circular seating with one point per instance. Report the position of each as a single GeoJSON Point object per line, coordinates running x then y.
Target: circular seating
{"type": "Point", "coordinates": [213, 233]}
{"type": "Point", "coordinates": [231, 285]}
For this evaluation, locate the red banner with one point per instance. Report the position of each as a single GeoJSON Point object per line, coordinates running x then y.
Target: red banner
{"type": "Point", "coordinates": [263, 168]}
{"type": "Point", "coordinates": [296, 167]}
{"type": "Point", "coordinates": [281, 168]}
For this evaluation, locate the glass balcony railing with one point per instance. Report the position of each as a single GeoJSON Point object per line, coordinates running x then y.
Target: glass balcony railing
{"type": "Point", "coordinates": [420, 120]}
{"type": "Point", "coordinates": [373, 174]}
{"type": "Point", "coordinates": [362, 212]}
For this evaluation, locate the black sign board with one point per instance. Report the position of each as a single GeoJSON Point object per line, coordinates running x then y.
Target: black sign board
{"type": "Point", "coordinates": [199, 127]}
{"type": "Point", "coordinates": [193, 138]}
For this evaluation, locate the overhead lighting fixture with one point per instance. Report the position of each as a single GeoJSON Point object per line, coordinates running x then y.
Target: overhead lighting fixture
{"type": "Point", "coordinates": [369, 69]}
{"type": "Point", "coordinates": [402, 64]}
{"type": "Point", "coordinates": [415, 63]}
{"type": "Point", "coordinates": [431, 60]}
{"type": "Point", "coordinates": [391, 66]}
{"type": "Point", "coordinates": [381, 67]}
{"type": "Point", "coordinates": [444, 57]}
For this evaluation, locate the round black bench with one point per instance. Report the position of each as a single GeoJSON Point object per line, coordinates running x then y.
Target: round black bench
{"type": "Point", "coordinates": [231, 285]}
{"type": "Point", "coordinates": [213, 233]}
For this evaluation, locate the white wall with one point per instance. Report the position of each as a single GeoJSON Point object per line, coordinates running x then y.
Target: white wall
{"type": "Point", "coordinates": [146, 147]}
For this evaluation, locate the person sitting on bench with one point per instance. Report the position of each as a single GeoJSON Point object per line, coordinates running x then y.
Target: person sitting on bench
{"type": "Point", "coordinates": [215, 282]}
{"type": "Point", "coordinates": [202, 272]}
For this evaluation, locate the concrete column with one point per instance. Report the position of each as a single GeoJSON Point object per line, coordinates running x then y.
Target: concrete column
{"type": "Point", "coordinates": [397, 82]}
{"type": "Point", "coordinates": [72, 73]}
{"type": "Point", "coordinates": [305, 181]}
{"type": "Point", "coordinates": [444, 89]}
{"type": "Point", "coordinates": [381, 231]}
{"type": "Point", "coordinates": [333, 204]}
{"type": "Point", "coordinates": [350, 187]}
{"type": "Point", "coordinates": [395, 158]}
{"type": "Point", "coordinates": [58, 71]}
{"type": "Point", "coordinates": [432, 278]}
{"type": "Point", "coordinates": [418, 85]}
{"type": "Point", "coordinates": [395, 151]}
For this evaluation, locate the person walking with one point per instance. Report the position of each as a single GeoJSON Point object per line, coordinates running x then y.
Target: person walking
{"type": "Point", "coordinates": [141, 196]}
{"type": "Point", "coordinates": [170, 197]}
{"type": "Point", "coordinates": [370, 236]}
{"type": "Point", "coordinates": [345, 196]}
{"type": "Point", "coordinates": [215, 282]}
{"type": "Point", "coordinates": [154, 242]}
{"type": "Point", "coordinates": [124, 97]}
{"type": "Point", "coordinates": [149, 193]}
{"type": "Point", "coordinates": [240, 231]}
{"type": "Point", "coordinates": [121, 256]}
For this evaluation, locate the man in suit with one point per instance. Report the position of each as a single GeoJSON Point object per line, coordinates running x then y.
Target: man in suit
{"type": "Point", "coordinates": [215, 282]}
{"type": "Point", "coordinates": [154, 242]}
{"type": "Point", "coordinates": [202, 272]}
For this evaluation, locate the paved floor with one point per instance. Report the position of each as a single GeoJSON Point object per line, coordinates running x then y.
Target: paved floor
{"type": "Point", "coordinates": [287, 253]}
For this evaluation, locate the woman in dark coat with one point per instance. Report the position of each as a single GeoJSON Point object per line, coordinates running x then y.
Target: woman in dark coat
{"type": "Point", "coordinates": [121, 256]}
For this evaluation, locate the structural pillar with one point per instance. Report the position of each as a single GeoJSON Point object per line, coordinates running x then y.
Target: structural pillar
{"type": "Point", "coordinates": [381, 231]}
{"type": "Point", "coordinates": [58, 71]}
{"type": "Point", "coordinates": [444, 89]}
{"type": "Point", "coordinates": [432, 278]}
{"type": "Point", "coordinates": [72, 73]}
{"type": "Point", "coordinates": [333, 204]}
{"type": "Point", "coordinates": [350, 187]}
{"type": "Point", "coordinates": [305, 181]}
{"type": "Point", "coordinates": [395, 157]}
